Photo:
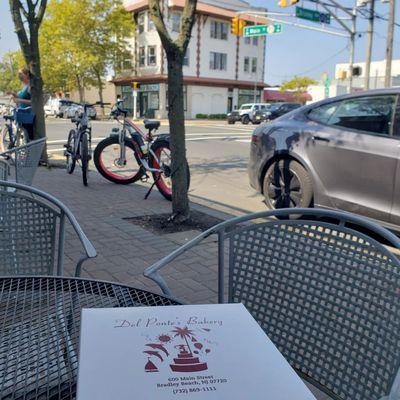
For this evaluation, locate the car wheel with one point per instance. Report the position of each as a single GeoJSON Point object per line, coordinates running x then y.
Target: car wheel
{"type": "Point", "coordinates": [287, 185]}
{"type": "Point", "coordinates": [245, 119]}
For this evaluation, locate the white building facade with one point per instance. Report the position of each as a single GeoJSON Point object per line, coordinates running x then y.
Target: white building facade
{"type": "Point", "coordinates": [221, 71]}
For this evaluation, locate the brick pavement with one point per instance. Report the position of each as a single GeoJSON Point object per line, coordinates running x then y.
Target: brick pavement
{"type": "Point", "coordinates": [125, 250]}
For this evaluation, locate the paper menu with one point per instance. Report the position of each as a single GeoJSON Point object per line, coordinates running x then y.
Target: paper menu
{"type": "Point", "coordinates": [181, 352]}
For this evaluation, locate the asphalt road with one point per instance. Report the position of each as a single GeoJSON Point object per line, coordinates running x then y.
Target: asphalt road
{"type": "Point", "coordinates": [217, 153]}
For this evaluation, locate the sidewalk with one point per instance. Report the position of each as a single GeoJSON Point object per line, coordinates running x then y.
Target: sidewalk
{"type": "Point", "coordinates": [125, 250]}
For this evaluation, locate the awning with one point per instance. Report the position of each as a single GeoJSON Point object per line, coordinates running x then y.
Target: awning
{"type": "Point", "coordinates": [277, 95]}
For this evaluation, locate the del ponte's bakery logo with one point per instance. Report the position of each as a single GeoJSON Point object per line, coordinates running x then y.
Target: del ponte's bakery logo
{"type": "Point", "coordinates": [183, 347]}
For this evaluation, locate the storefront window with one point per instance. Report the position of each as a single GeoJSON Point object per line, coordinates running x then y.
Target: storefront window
{"type": "Point", "coordinates": [247, 96]}
{"type": "Point", "coordinates": [127, 96]}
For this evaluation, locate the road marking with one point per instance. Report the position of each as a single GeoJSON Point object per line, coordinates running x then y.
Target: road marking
{"type": "Point", "coordinates": [65, 140]}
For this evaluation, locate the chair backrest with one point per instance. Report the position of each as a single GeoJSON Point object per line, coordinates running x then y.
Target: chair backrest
{"type": "Point", "coordinates": [322, 287]}
{"type": "Point", "coordinates": [327, 295]}
{"type": "Point", "coordinates": [26, 160]}
{"type": "Point", "coordinates": [31, 233]}
{"type": "Point", "coordinates": [4, 170]}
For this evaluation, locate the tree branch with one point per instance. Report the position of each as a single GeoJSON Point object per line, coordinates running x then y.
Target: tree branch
{"type": "Point", "coordinates": [187, 24]}
{"type": "Point", "coordinates": [41, 11]}
{"type": "Point", "coordinates": [158, 20]}
{"type": "Point", "coordinates": [16, 8]}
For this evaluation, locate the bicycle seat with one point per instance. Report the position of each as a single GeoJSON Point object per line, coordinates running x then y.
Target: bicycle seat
{"type": "Point", "coordinates": [8, 117]}
{"type": "Point", "coordinates": [151, 124]}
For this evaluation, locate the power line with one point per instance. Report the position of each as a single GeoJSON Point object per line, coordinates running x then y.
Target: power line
{"type": "Point", "coordinates": [316, 66]}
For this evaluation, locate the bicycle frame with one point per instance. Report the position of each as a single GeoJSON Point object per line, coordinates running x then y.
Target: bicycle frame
{"type": "Point", "coordinates": [134, 131]}
{"type": "Point", "coordinates": [83, 126]}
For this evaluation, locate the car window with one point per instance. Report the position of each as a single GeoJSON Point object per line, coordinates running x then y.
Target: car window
{"type": "Point", "coordinates": [245, 107]}
{"type": "Point", "coordinates": [256, 108]}
{"type": "Point", "coordinates": [368, 114]}
{"type": "Point", "coordinates": [262, 107]}
{"type": "Point", "coordinates": [323, 113]}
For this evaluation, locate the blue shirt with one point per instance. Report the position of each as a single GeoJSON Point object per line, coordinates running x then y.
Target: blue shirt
{"type": "Point", "coordinates": [25, 94]}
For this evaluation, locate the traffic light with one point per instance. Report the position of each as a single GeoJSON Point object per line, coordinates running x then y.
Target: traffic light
{"type": "Point", "coordinates": [287, 3]}
{"type": "Point", "coordinates": [237, 26]}
{"type": "Point", "coordinates": [242, 24]}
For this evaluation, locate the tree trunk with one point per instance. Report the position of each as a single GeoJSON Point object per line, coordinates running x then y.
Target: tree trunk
{"type": "Point", "coordinates": [100, 89]}
{"type": "Point", "coordinates": [80, 88]}
{"type": "Point", "coordinates": [37, 91]}
{"type": "Point", "coordinates": [176, 117]}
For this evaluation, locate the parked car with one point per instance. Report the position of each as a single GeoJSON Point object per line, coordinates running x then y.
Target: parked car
{"type": "Point", "coordinates": [233, 117]}
{"type": "Point", "coordinates": [341, 153]}
{"type": "Point", "coordinates": [51, 108]}
{"type": "Point", "coordinates": [247, 112]}
{"type": "Point", "coordinates": [75, 109]}
{"type": "Point", "coordinates": [278, 109]}
{"type": "Point", "coordinates": [63, 105]}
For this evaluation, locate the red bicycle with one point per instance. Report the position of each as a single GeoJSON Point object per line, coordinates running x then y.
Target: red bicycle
{"type": "Point", "coordinates": [129, 154]}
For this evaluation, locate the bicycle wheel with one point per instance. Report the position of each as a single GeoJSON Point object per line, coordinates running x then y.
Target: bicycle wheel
{"type": "Point", "coordinates": [5, 142]}
{"type": "Point", "coordinates": [163, 180]}
{"type": "Point", "coordinates": [21, 137]}
{"type": "Point", "coordinates": [85, 158]}
{"type": "Point", "coordinates": [106, 159]}
{"type": "Point", "coordinates": [69, 152]}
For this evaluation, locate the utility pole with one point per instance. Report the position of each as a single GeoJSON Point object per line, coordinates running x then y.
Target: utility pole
{"type": "Point", "coordinates": [389, 44]}
{"type": "Point", "coordinates": [352, 46]}
{"type": "Point", "coordinates": [370, 34]}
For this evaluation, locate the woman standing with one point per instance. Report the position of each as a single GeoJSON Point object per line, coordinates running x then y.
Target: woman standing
{"type": "Point", "coordinates": [23, 98]}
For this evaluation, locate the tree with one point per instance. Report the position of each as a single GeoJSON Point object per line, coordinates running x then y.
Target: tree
{"type": "Point", "coordinates": [175, 51]}
{"type": "Point", "coordinates": [9, 66]}
{"type": "Point", "coordinates": [79, 50]}
{"type": "Point", "coordinates": [298, 85]}
{"type": "Point", "coordinates": [27, 16]}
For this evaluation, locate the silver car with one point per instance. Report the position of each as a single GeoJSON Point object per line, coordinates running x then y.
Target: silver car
{"type": "Point", "coordinates": [341, 153]}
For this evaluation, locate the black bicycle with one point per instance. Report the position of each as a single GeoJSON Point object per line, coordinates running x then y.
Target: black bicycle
{"type": "Point", "coordinates": [79, 145]}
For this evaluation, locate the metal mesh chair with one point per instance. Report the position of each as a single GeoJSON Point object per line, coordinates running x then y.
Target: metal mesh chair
{"type": "Point", "coordinates": [4, 170]}
{"type": "Point", "coordinates": [25, 160]}
{"type": "Point", "coordinates": [324, 290]}
{"type": "Point", "coordinates": [32, 232]}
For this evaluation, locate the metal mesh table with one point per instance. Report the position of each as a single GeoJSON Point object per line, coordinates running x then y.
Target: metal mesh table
{"type": "Point", "coordinates": [39, 331]}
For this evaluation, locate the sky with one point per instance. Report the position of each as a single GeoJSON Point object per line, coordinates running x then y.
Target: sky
{"type": "Point", "coordinates": [296, 51]}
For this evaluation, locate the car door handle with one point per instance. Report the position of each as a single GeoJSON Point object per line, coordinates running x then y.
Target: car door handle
{"type": "Point", "coordinates": [321, 139]}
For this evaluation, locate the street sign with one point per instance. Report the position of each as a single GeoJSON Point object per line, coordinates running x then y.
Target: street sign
{"type": "Point", "coordinates": [261, 30]}
{"type": "Point", "coordinates": [313, 15]}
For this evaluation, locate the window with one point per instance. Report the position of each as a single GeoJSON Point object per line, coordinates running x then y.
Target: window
{"type": "Point", "coordinates": [246, 66]}
{"type": "Point", "coordinates": [186, 58]}
{"type": "Point", "coordinates": [367, 114]}
{"type": "Point", "coordinates": [140, 22]}
{"type": "Point", "coordinates": [176, 22]}
{"type": "Point", "coordinates": [254, 64]}
{"type": "Point", "coordinates": [219, 30]}
{"type": "Point", "coordinates": [151, 55]}
{"type": "Point", "coordinates": [218, 61]}
{"type": "Point", "coordinates": [247, 40]}
{"type": "Point", "coordinates": [150, 23]}
{"type": "Point", "coordinates": [323, 113]}
{"type": "Point", "coordinates": [255, 41]}
{"type": "Point", "coordinates": [142, 56]}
